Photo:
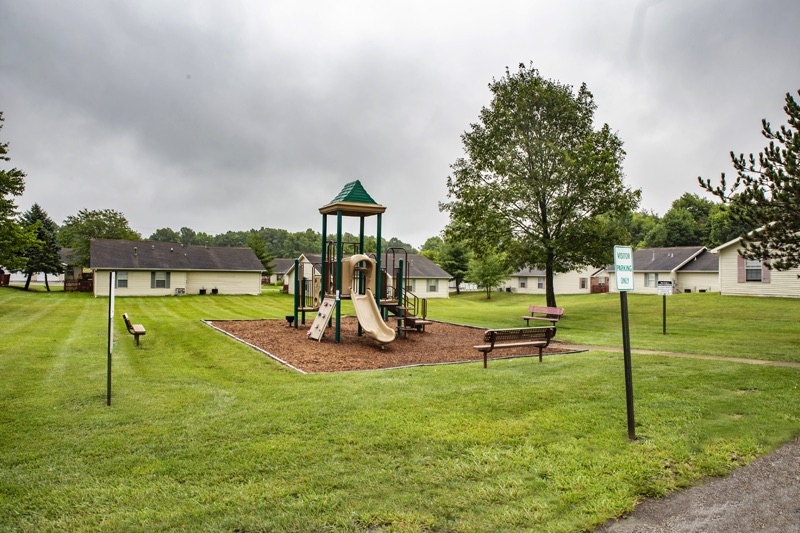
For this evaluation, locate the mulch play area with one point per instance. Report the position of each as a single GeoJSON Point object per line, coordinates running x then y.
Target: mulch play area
{"type": "Point", "coordinates": [440, 343]}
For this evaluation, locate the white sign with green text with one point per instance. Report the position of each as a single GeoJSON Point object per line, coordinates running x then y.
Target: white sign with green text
{"type": "Point", "coordinates": [623, 267]}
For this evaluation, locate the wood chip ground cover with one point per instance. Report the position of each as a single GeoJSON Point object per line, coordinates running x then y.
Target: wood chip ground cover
{"type": "Point", "coordinates": [440, 343]}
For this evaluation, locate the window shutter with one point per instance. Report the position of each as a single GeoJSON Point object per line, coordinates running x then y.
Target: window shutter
{"type": "Point", "coordinates": [740, 267]}
{"type": "Point", "coordinates": [765, 272]}
{"type": "Point", "coordinates": [167, 280]}
{"type": "Point", "coordinates": [152, 280]}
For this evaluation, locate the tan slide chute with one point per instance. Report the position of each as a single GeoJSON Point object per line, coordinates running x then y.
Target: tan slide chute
{"type": "Point", "coordinates": [367, 310]}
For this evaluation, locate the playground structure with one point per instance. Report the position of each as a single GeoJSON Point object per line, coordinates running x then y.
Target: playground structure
{"type": "Point", "coordinates": [347, 272]}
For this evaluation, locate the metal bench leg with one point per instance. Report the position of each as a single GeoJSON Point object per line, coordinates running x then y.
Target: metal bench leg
{"type": "Point", "coordinates": [136, 336]}
{"type": "Point", "coordinates": [540, 354]}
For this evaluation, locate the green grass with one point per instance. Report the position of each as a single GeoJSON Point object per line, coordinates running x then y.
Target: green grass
{"type": "Point", "coordinates": [756, 328]}
{"type": "Point", "coordinates": [207, 434]}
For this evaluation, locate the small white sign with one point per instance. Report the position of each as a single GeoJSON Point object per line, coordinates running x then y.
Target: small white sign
{"type": "Point", "coordinates": [665, 288]}
{"type": "Point", "coordinates": [623, 267]}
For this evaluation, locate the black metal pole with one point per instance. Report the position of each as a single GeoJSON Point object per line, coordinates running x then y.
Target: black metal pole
{"type": "Point", "coordinates": [626, 348]}
{"type": "Point", "coordinates": [110, 333]}
{"type": "Point", "coordinates": [664, 314]}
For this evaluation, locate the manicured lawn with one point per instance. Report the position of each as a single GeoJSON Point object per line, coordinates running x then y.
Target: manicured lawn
{"type": "Point", "coordinates": [757, 328]}
{"type": "Point", "coordinates": [206, 434]}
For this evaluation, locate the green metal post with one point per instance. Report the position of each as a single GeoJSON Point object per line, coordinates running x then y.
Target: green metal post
{"type": "Point", "coordinates": [361, 274]}
{"type": "Point", "coordinates": [378, 264]}
{"type": "Point", "coordinates": [400, 302]}
{"type": "Point", "coordinates": [338, 275]}
{"type": "Point", "coordinates": [324, 263]}
{"type": "Point", "coordinates": [296, 289]}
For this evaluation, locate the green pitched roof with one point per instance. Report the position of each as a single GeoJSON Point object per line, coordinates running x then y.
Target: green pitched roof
{"type": "Point", "coordinates": [353, 200]}
{"type": "Point", "coordinates": [354, 192]}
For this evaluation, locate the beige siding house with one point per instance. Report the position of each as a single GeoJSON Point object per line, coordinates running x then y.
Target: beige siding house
{"type": "Point", "coordinates": [743, 277]}
{"type": "Point", "coordinates": [690, 268]}
{"type": "Point", "coordinates": [155, 268]}
{"type": "Point", "coordinates": [425, 278]}
{"type": "Point", "coordinates": [532, 281]}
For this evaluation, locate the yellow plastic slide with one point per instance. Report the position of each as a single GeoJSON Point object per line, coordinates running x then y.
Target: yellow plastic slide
{"type": "Point", "coordinates": [367, 310]}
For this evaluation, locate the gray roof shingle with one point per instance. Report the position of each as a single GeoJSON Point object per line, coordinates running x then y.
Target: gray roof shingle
{"type": "Point", "coordinates": [662, 259]}
{"type": "Point", "coordinates": [158, 255]}
{"type": "Point", "coordinates": [705, 262]}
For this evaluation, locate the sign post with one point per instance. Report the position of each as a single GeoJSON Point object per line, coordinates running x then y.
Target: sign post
{"type": "Point", "coordinates": [664, 289]}
{"type": "Point", "coordinates": [112, 278]}
{"type": "Point", "coordinates": [623, 274]}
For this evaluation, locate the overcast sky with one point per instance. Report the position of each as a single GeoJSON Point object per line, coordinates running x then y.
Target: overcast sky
{"type": "Point", "coordinates": [246, 114]}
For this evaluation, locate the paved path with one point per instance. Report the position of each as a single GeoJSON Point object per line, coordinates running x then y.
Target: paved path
{"type": "Point", "coordinates": [763, 496]}
{"type": "Point", "coordinates": [678, 354]}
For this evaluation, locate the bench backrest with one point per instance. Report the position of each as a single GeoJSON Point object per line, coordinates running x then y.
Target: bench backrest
{"type": "Point", "coordinates": [127, 322]}
{"type": "Point", "coordinates": [546, 310]}
{"type": "Point", "coordinates": [519, 334]}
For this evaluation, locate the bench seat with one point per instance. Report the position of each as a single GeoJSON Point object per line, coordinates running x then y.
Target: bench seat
{"type": "Point", "coordinates": [496, 339]}
{"type": "Point", "coordinates": [552, 314]}
{"type": "Point", "coordinates": [134, 329]}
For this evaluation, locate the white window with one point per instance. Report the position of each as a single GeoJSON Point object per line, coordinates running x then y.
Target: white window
{"type": "Point", "coordinates": [122, 280]}
{"type": "Point", "coordinates": [159, 280]}
{"type": "Point", "coordinates": [433, 285]}
{"type": "Point", "coordinates": [752, 269]}
{"type": "Point", "coordinates": [523, 282]}
{"type": "Point", "coordinates": [540, 282]}
{"type": "Point", "coordinates": [410, 285]}
{"type": "Point", "coordinates": [583, 283]}
{"type": "Point", "coordinates": [651, 279]}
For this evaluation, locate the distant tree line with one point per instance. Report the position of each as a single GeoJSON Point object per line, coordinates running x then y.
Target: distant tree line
{"type": "Point", "coordinates": [690, 221]}
{"type": "Point", "coordinates": [277, 242]}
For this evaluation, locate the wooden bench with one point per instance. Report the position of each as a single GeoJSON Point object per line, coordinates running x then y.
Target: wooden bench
{"type": "Point", "coordinates": [496, 339]}
{"type": "Point", "coordinates": [552, 314]}
{"type": "Point", "coordinates": [133, 329]}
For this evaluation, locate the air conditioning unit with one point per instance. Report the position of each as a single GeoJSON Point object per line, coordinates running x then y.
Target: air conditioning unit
{"type": "Point", "coordinates": [179, 291]}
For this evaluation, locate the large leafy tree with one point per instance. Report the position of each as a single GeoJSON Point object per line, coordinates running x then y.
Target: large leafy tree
{"type": "Point", "coordinates": [431, 248]}
{"type": "Point", "coordinates": [538, 181]}
{"type": "Point", "coordinates": [766, 193]}
{"type": "Point", "coordinates": [78, 230]}
{"type": "Point", "coordinates": [14, 238]}
{"type": "Point", "coordinates": [43, 256]}
{"type": "Point", "coordinates": [165, 235]}
{"type": "Point", "coordinates": [454, 257]}
{"type": "Point", "coordinates": [488, 271]}
{"type": "Point", "coordinates": [676, 228]}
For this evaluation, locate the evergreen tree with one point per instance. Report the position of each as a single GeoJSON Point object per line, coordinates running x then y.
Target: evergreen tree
{"type": "Point", "coordinates": [766, 193]}
{"type": "Point", "coordinates": [43, 256]}
{"type": "Point", "coordinates": [255, 243]}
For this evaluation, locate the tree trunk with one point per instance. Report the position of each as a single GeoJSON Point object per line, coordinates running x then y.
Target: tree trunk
{"type": "Point", "coordinates": [458, 291]}
{"type": "Point", "coordinates": [46, 284]}
{"type": "Point", "coordinates": [28, 281]}
{"type": "Point", "coordinates": [488, 293]}
{"type": "Point", "coordinates": [550, 294]}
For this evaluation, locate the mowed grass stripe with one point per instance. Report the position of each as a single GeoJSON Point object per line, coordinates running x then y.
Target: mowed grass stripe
{"type": "Point", "coordinates": [207, 434]}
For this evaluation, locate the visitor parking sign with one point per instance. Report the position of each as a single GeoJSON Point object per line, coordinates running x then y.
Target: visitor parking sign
{"type": "Point", "coordinates": [623, 267]}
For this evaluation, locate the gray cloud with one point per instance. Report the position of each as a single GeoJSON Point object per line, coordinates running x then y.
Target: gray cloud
{"type": "Point", "coordinates": [223, 116]}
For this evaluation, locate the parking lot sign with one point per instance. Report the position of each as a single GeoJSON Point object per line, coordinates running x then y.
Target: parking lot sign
{"type": "Point", "coordinates": [623, 267]}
